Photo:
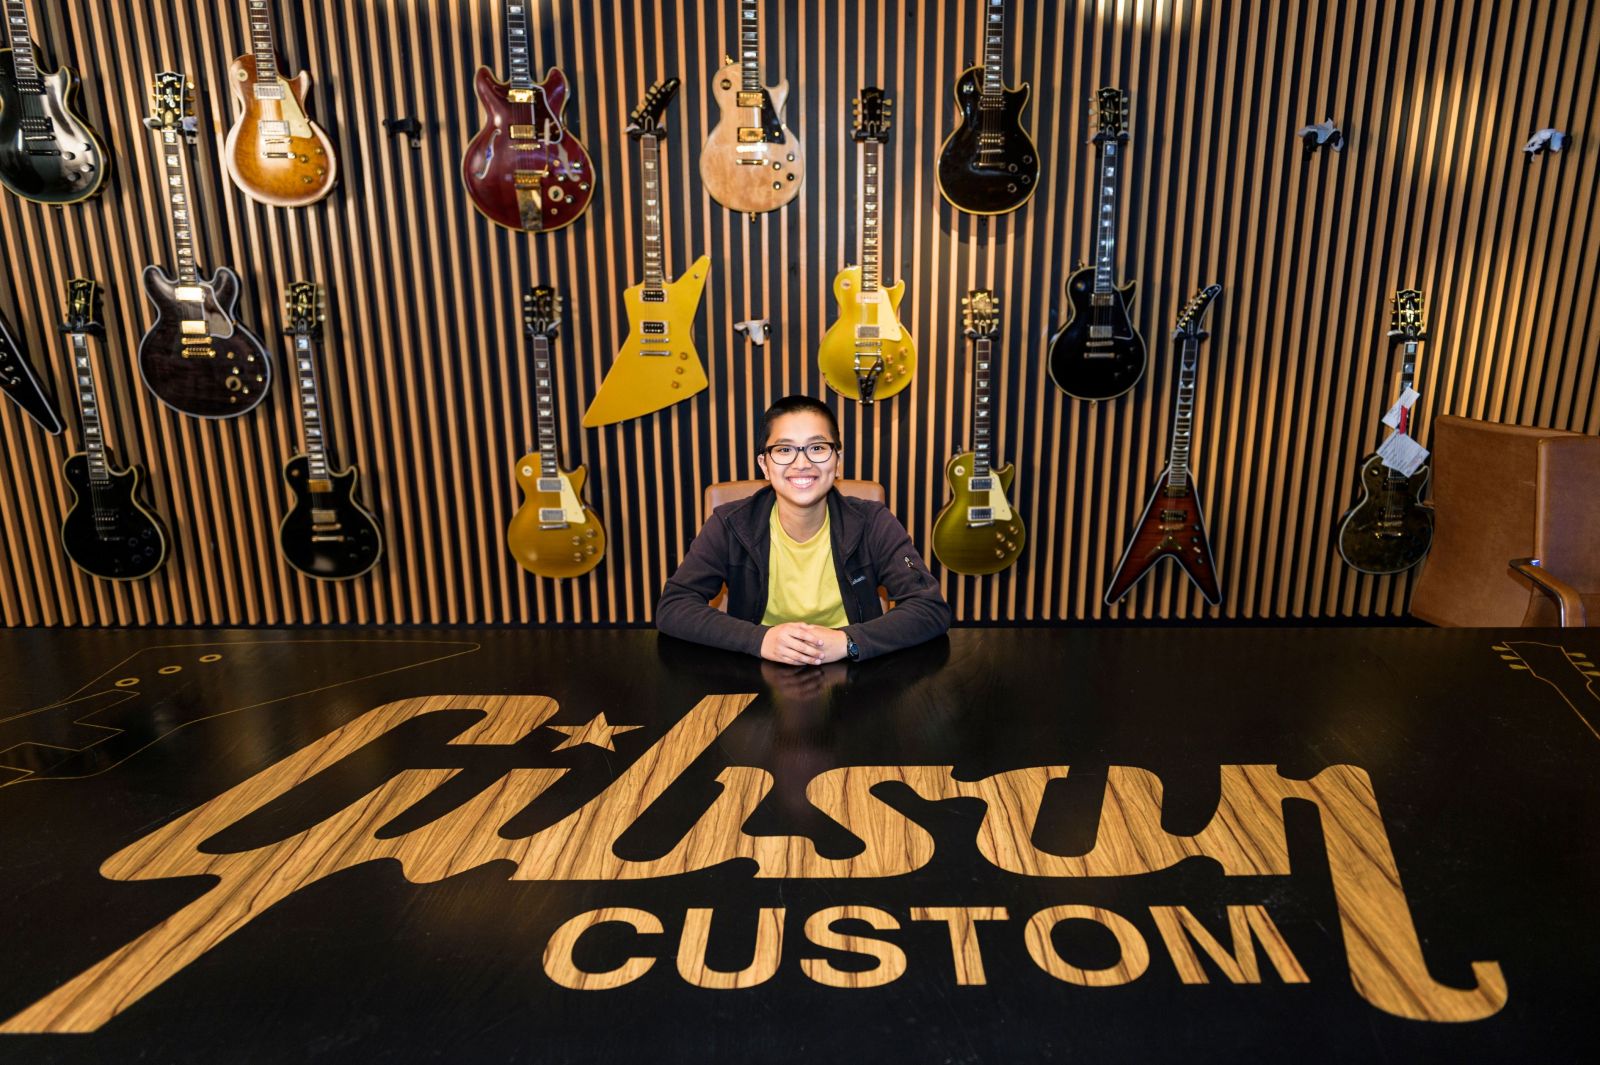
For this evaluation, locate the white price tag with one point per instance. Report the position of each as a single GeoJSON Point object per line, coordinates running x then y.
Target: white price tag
{"type": "Point", "coordinates": [1407, 400]}
{"type": "Point", "coordinates": [1402, 454]}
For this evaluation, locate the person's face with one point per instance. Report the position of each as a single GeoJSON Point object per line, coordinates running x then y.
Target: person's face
{"type": "Point", "coordinates": [803, 482]}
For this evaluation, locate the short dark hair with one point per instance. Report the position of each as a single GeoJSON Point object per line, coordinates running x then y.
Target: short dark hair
{"type": "Point", "coordinates": [797, 405]}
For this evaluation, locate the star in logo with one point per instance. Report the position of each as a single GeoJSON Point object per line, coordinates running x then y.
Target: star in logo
{"type": "Point", "coordinates": [597, 731]}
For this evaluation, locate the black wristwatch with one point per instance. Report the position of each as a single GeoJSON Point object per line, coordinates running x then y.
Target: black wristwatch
{"type": "Point", "coordinates": [851, 651]}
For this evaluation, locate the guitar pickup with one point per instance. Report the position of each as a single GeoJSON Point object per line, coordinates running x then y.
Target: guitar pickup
{"type": "Point", "coordinates": [1100, 332]}
{"type": "Point", "coordinates": [752, 135]}
{"type": "Point", "coordinates": [272, 130]}
{"type": "Point", "coordinates": [980, 484]}
{"type": "Point", "coordinates": [520, 96]}
{"type": "Point", "coordinates": [980, 515]}
{"type": "Point", "coordinates": [549, 484]}
{"type": "Point", "coordinates": [190, 328]}
{"type": "Point", "coordinates": [323, 518]}
{"type": "Point", "coordinates": [1174, 515]}
{"type": "Point", "coordinates": [189, 293]}
{"type": "Point", "coordinates": [752, 99]}
{"type": "Point", "coordinates": [320, 484]}
{"type": "Point", "coordinates": [654, 296]}
{"type": "Point", "coordinates": [867, 332]}
{"type": "Point", "coordinates": [1101, 299]}
{"type": "Point", "coordinates": [520, 132]}
{"type": "Point", "coordinates": [552, 518]}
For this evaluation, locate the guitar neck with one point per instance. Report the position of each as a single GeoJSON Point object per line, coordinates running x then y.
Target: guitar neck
{"type": "Point", "coordinates": [262, 46]}
{"type": "Point", "coordinates": [871, 201]}
{"type": "Point", "coordinates": [22, 54]}
{"type": "Point", "coordinates": [173, 145]}
{"type": "Point", "coordinates": [980, 406]}
{"type": "Point", "coordinates": [750, 45]}
{"type": "Point", "coordinates": [312, 437]}
{"type": "Point", "coordinates": [94, 444]}
{"type": "Point", "coordinates": [1183, 414]}
{"type": "Point", "coordinates": [545, 402]}
{"type": "Point", "coordinates": [521, 73]}
{"type": "Point", "coordinates": [654, 272]}
{"type": "Point", "coordinates": [1106, 216]}
{"type": "Point", "coordinates": [994, 33]}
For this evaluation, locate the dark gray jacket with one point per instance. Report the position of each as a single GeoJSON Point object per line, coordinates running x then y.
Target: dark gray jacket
{"type": "Point", "coordinates": [870, 548]}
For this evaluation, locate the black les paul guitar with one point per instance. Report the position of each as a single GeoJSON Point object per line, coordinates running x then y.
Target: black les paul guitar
{"type": "Point", "coordinates": [1099, 354]}
{"type": "Point", "coordinates": [989, 165]}
{"type": "Point", "coordinates": [327, 535]}
{"type": "Point", "coordinates": [107, 533]}
{"type": "Point", "coordinates": [48, 153]}
{"type": "Point", "coordinates": [196, 358]}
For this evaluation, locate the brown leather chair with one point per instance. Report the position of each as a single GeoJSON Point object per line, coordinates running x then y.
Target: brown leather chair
{"type": "Point", "coordinates": [1503, 495]}
{"type": "Point", "coordinates": [728, 491]}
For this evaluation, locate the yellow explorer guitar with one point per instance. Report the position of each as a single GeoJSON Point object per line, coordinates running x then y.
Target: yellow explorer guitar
{"type": "Point", "coordinates": [867, 354]}
{"type": "Point", "coordinates": [552, 534]}
{"type": "Point", "coordinates": [658, 365]}
{"type": "Point", "coordinates": [977, 532]}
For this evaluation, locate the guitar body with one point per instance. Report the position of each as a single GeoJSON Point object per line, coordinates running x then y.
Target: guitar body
{"type": "Point", "coordinates": [750, 177]}
{"type": "Point", "coordinates": [988, 165]}
{"type": "Point", "coordinates": [223, 378]}
{"type": "Point", "coordinates": [977, 549]}
{"type": "Point", "coordinates": [276, 154]}
{"type": "Point", "coordinates": [75, 167]}
{"type": "Point", "coordinates": [1172, 526]}
{"type": "Point", "coordinates": [569, 549]}
{"type": "Point", "coordinates": [23, 385]}
{"type": "Point", "coordinates": [837, 355]}
{"type": "Point", "coordinates": [1098, 354]}
{"type": "Point", "coordinates": [327, 535]}
{"type": "Point", "coordinates": [107, 533]}
{"type": "Point", "coordinates": [658, 364]}
{"type": "Point", "coordinates": [556, 179]}
{"type": "Point", "coordinates": [1387, 531]}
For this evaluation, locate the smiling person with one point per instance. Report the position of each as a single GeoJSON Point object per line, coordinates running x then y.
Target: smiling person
{"type": "Point", "coordinates": [803, 562]}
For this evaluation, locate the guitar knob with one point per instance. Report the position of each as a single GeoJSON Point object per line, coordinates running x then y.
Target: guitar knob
{"type": "Point", "coordinates": [576, 541]}
{"type": "Point", "coordinates": [589, 534]}
{"type": "Point", "coordinates": [777, 184]}
{"type": "Point", "coordinates": [577, 556]}
{"type": "Point", "coordinates": [999, 553]}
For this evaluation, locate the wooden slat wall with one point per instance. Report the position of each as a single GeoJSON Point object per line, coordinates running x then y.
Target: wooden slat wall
{"type": "Point", "coordinates": [426, 375]}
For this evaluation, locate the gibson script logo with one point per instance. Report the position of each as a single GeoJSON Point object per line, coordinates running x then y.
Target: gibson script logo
{"type": "Point", "coordinates": [1245, 836]}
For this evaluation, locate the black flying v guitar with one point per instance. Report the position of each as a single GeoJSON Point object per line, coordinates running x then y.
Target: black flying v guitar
{"type": "Point", "coordinates": [1098, 354]}
{"type": "Point", "coordinates": [107, 533]}
{"type": "Point", "coordinates": [989, 165]}
{"type": "Point", "coordinates": [196, 358]}
{"type": "Point", "coordinates": [327, 535]}
{"type": "Point", "coordinates": [48, 153]}
{"type": "Point", "coordinates": [22, 384]}
{"type": "Point", "coordinates": [1173, 525]}
{"type": "Point", "coordinates": [1389, 530]}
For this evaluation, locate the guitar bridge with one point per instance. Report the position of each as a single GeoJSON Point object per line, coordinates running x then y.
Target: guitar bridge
{"type": "Point", "coordinates": [530, 199]}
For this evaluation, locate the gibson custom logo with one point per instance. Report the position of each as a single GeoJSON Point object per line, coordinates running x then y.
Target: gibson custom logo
{"type": "Point", "coordinates": [1245, 837]}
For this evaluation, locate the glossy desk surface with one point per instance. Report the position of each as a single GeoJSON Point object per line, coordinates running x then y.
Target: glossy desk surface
{"type": "Point", "coordinates": [474, 846]}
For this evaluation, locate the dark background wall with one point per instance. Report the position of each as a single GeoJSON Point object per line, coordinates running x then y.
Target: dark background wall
{"type": "Point", "coordinates": [426, 374]}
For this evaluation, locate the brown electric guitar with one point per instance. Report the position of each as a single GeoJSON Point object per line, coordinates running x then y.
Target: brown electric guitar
{"type": "Point", "coordinates": [276, 154]}
{"type": "Point", "coordinates": [553, 533]}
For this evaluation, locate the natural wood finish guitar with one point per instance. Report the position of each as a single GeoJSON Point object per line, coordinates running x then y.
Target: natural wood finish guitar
{"type": "Point", "coordinates": [751, 162]}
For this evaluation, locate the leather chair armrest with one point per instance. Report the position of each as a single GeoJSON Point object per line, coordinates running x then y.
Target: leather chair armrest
{"type": "Point", "coordinates": [1565, 595]}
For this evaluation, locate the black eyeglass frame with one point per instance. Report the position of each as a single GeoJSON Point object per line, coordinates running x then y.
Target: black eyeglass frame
{"type": "Point", "coordinates": [833, 446]}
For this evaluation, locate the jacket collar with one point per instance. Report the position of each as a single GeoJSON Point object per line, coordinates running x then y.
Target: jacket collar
{"type": "Point", "coordinates": [751, 523]}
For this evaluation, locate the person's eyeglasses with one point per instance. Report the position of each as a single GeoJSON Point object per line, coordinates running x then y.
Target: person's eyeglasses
{"type": "Point", "coordinates": [784, 454]}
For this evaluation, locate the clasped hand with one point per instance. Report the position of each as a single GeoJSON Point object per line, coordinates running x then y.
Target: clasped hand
{"type": "Point", "coordinates": [797, 643]}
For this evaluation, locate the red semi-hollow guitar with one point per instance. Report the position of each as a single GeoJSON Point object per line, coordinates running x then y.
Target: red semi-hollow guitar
{"type": "Point", "coordinates": [524, 169]}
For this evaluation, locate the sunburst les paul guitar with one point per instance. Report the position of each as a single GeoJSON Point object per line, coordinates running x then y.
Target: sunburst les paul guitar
{"type": "Point", "coordinates": [750, 161]}
{"type": "Point", "coordinates": [658, 364]}
{"type": "Point", "coordinates": [554, 533]}
{"type": "Point", "coordinates": [274, 152]}
{"type": "Point", "coordinates": [866, 353]}
{"type": "Point", "coordinates": [978, 532]}
{"type": "Point", "coordinates": [525, 169]}
{"type": "Point", "coordinates": [1173, 524]}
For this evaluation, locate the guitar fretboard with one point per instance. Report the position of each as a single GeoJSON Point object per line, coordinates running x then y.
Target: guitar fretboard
{"type": "Point", "coordinates": [650, 156]}
{"type": "Point", "coordinates": [1183, 413]}
{"type": "Point", "coordinates": [871, 201]}
{"type": "Point", "coordinates": [521, 73]}
{"type": "Point", "coordinates": [544, 401]}
{"type": "Point", "coordinates": [27, 72]}
{"type": "Point", "coordinates": [1408, 375]}
{"type": "Point", "coordinates": [994, 34]}
{"type": "Point", "coordinates": [750, 45]}
{"type": "Point", "coordinates": [1105, 247]}
{"type": "Point", "coordinates": [267, 84]}
{"type": "Point", "coordinates": [94, 444]}
{"type": "Point", "coordinates": [311, 431]}
{"type": "Point", "coordinates": [173, 145]}
{"type": "Point", "coordinates": [980, 407]}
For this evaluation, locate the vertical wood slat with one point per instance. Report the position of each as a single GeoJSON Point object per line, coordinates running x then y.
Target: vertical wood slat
{"type": "Point", "coordinates": [427, 383]}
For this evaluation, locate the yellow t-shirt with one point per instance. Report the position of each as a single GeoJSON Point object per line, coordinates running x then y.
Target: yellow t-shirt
{"type": "Point", "coordinates": [801, 582]}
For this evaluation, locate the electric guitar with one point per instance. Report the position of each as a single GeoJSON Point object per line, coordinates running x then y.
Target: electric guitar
{"type": "Point", "coordinates": [1388, 530]}
{"type": "Point", "coordinates": [23, 385]}
{"type": "Point", "coordinates": [989, 165]}
{"type": "Point", "coordinates": [107, 533]}
{"type": "Point", "coordinates": [554, 533]}
{"type": "Point", "coordinates": [275, 154]}
{"type": "Point", "coordinates": [977, 532]}
{"type": "Point", "coordinates": [658, 364]}
{"type": "Point", "coordinates": [196, 358]}
{"type": "Point", "coordinates": [1173, 524]}
{"type": "Point", "coordinates": [1099, 354]}
{"type": "Point", "coordinates": [524, 169]}
{"type": "Point", "coordinates": [327, 534]}
{"type": "Point", "coordinates": [750, 162]}
{"type": "Point", "coordinates": [48, 152]}
{"type": "Point", "coordinates": [866, 353]}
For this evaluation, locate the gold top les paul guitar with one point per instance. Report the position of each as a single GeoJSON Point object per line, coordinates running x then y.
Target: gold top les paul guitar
{"type": "Point", "coordinates": [276, 154]}
{"type": "Point", "coordinates": [750, 161]}
{"type": "Point", "coordinates": [553, 534]}
{"type": "Point", "coordinates": [867, 354]}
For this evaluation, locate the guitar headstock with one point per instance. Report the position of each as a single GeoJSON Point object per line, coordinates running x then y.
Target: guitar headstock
{"type": "Point", "coordinates": [541, 312]}
{"type": "Point", "coordinates": [1189, 325]}
{"type": "Point", "coordinates": [1406, 321]}
{"type": "Point", "coordinates": [303, 305]}
{"type": "Point", "coordinates": [1111, 114]}
{"type": "Point", "coordinates": [83, 308]}
{"type": "Point", "coordinates": [645, 119]}
{"type": "Point", "coordinates": [873, 115]}
{"type": "Point", "coordinates": [172, 105]}
{"type": "Point", "coordinates": [980, 313]}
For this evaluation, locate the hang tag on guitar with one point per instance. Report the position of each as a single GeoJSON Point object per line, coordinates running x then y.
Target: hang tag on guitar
{"type": "Point", "coordinates": [1407, 399]}
{"type": "Point", "coordinates": [1402, 454]}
